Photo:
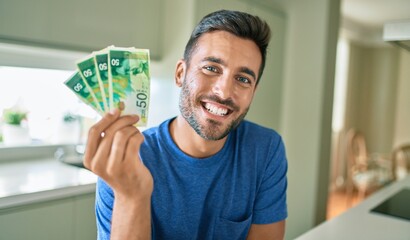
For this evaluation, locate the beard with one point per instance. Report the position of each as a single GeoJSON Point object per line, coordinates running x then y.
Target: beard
{"type": "Point", "coordinates": [211, 130]}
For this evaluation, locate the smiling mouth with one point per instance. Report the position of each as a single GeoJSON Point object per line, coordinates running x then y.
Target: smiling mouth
{"type": "Point", "coordinates": [216, 110]}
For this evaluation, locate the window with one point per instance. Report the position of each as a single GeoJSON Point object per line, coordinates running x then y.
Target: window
{"type": "Point", "coordinates": [54, 114]}
{"type": "Point", "coordinates": [32, 77]}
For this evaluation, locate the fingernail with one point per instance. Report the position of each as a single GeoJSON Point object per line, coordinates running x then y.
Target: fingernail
{"type": "Point", "coordinates": [113, 111]}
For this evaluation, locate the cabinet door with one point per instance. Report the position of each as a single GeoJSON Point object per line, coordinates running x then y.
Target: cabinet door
{"type": "Point", "coordinates": [83, 25]}
{"type": "Point", "coordinates": [49, 220]}
{"type": "Point", "coordinates": [84, 217]}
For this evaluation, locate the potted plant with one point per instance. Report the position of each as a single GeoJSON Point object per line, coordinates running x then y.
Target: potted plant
{"type": "Point", "coordinates": [15, 131]}
{"type": "Point", "coordinates": [68, 129]}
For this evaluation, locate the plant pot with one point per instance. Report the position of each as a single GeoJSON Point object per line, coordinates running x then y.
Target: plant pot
{"type": "Point", "coordinates": [15, 135]}
{"type": "Point", "coordinates": [67, 133]}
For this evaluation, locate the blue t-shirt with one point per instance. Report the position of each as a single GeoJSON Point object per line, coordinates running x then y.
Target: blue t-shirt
{"type": "Point", "coordinates": [218, 197]}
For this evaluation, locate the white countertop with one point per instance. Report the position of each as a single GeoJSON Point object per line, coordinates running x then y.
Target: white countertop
{"type": "Point", "coordinates": [24, 182]}
{"type": "Point", "coordinates": [360, 223]}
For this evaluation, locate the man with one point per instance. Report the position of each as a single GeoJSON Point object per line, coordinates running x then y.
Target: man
{"type": "Point", "coordinates": [207, 173]}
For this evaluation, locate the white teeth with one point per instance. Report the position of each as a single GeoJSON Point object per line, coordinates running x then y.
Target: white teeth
{"type": "Point", "coordinates": [215, 110]}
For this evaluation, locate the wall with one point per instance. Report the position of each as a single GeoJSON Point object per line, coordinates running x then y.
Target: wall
{"type": "Point", "coordinates": [371, 94]}
{"type": "Point", "coordinates": [307, 108]}
{"type": "Point", "coordinates": [402, 126]}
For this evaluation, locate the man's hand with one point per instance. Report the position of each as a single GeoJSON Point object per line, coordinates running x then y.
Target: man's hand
{"type": "Point", "coordinates": [112, 152]}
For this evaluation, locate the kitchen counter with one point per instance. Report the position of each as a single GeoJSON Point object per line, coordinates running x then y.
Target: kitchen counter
{"type": "Point", "coordinates": [360, 223]}
{"type": "Point", "coordinates": [25, 182]}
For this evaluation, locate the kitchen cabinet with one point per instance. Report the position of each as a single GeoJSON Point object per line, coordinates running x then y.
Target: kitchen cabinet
{"type": "Point", "coordinates": [268, 95]}
{"type": "Point", "coordinates": [83, 25]}
{"type": "Point", "coordinates": [84, 217]}
{"type": "Point", "coordinates": [70, 218]}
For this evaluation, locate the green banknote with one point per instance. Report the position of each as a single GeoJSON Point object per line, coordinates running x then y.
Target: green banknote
{"type": "Point", "coordinates": [77, 85]}
{"type": "Point", "coordinates": [88, 71]}
{"type": "Point", "coordinates": [130, 81]}
{"type": "Point", "coordinates": [119, 76]}
{"type": "Point", "coordinates": [115, 78]}
{"type": "Point", "coordinates": [101, 63]}
{"type": "Point", "coordinates": [140, 82]}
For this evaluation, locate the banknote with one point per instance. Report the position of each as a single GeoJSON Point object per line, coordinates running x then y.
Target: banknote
{"type": "Point", "coordinates": [129, 81]}
{"type": "Point", "coordinates": [101, 63]}
{"type": "Point", "coordinates": [88, 71]}
{"type": "Point", "coordinates": [118, 75]}
{"type": "Point", "coordinates": [77, 85]}
{"type": "Point", "coordinates": [140, 82]}
{"type": "Point", "coordinates": [115, 78]}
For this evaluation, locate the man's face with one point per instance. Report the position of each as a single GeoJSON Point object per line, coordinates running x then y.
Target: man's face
{"type": "Point", "coordinates": [218, 84]}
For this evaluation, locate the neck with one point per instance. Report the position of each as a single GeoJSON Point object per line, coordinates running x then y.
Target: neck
{"type": "Point", "coordinates": [190, 142]}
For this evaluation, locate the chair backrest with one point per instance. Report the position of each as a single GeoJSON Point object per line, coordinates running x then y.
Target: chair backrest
{"type": "Point", "coordinates": [401, 161]}
{"type": "Point", "coordinates": [356, 149]}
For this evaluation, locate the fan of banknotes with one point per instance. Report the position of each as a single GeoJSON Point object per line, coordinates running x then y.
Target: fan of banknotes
{"type": "Point", "coordinates": [114, 77]}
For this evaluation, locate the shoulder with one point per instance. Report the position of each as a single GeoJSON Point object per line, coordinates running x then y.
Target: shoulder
{"type": "Point", "coordinates": [257, 129]}
{"type": "Point", "coordinates": [157, 142]}
{"type": "Point", "coordinates": [157, 132]}
{"type": "Point", "coordinates": [261, 135]}
{"type": "Point", "coordinates": [262, 144]}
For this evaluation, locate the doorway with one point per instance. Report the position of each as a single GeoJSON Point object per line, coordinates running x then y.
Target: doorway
{"type": "Point", "coordinates": [364, 117]}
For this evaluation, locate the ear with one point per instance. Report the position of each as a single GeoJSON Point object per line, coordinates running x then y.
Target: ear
{"type": "Point", "coordinates": [180, 71]}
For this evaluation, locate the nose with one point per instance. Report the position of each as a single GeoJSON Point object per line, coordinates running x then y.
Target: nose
{"type": "Point", "coordinates": [223, 87]}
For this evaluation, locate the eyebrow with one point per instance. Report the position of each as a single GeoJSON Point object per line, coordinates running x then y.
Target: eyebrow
{"type": "Point", "coordinates": [215, 60]}
{"type": "Point", "coordinates": [222, 62]}
{"type": "Point", "coordinates": [248, 71]}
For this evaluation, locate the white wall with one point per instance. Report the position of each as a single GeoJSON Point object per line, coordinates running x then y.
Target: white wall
{"type": "Point", "coordinates": [371, 94]}
{"type": "Point", "coordinates": [402, 126]}
{"type": "Point", "coordinates": [307, 108]}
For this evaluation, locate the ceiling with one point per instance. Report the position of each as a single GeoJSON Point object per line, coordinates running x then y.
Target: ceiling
{"type": "Point", "coordinates": [374, 13]}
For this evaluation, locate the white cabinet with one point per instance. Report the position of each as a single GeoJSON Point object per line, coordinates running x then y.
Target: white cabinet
{"type": "Point", "coordinates": [83, 25]}
{"type": "Point", "coordinates": [70, 218]}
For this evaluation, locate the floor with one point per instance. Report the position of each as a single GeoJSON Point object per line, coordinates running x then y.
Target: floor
{"type": "Point", "coordinates": [339, 202]}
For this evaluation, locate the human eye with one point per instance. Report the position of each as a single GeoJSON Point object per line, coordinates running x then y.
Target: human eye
{"type": "Point", "coordinates": [210, 69]}
{"type": "Point", "coordinates": [244, 80]}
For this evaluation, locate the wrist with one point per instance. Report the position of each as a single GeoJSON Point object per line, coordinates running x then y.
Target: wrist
{"type": "Point", "coordinates": [131, 218]}
{"type": "Point", "coordinates": [132, 200]}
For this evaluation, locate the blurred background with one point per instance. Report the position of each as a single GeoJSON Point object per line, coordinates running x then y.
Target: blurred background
{"type": "Point", "coordinates": [333, 88]}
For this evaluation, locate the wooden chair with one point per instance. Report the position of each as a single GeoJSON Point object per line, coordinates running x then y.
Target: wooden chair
{"type": "Point", "coordinates": [364, 172]}
{"type": "Point", "coordinates": [401, 161]}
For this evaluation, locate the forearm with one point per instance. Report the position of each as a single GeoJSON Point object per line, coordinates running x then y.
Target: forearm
{"type": "Point", "coordinates": [272, 231]}
{"type": "Point", "coordinates": [131, 220]}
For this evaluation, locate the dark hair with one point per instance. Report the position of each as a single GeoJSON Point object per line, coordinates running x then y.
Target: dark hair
{"type": "Point", "coordinates": [240, 24]}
